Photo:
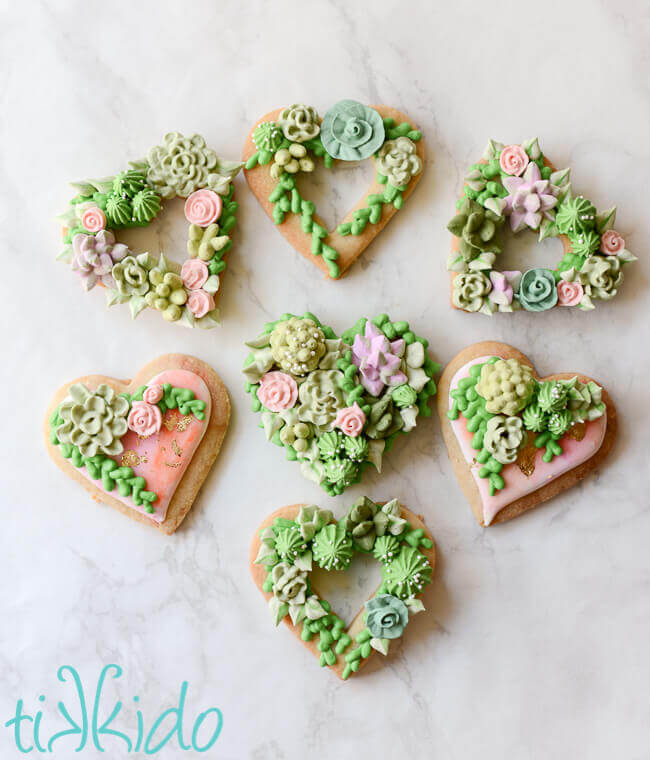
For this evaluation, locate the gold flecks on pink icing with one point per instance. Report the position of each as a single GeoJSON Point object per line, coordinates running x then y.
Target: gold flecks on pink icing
{"type": "Point", "coordinates": [93, 219]}
{"type": "Point", "coordinates": [519, 484]}
{"type": "Point", "coordinates": [155, 458]}
{"type": "Point", "coordinates": [203, 207]}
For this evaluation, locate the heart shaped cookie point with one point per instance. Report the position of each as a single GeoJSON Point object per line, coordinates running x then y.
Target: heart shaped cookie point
{"type": "Point", "coordinates": [143, 446]}
{"type": "Point", "coordinates": [183, 167]}
{"type": "Point", "coordinates": [336, 404]}
{"type": "Point", "coordinates": [516, 439]}
{"type": "Point", "coordinates": [291, 140]}
{"type": "Point", "coordinates": [293, 539]}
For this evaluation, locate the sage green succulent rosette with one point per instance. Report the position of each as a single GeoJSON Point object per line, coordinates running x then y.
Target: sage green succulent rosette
{"type": "Point", "coordinates": [349, 131]}
{"type": "Point", "coordinates": [133, 198]}
{"type": "Point", "coordinates": [506, 407]}
{"type": "Point", "coordinates": [88, 427]}
{"type": "Point", "coordinates": [289, 549]}
{"type": "Point", "coordinates": [330, 387]}
{"type": "Point", "coordinates": [539, 198]}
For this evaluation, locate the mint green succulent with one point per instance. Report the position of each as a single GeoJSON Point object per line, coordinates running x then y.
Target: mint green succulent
{"type": "Point", "coordinates": [332, 548]}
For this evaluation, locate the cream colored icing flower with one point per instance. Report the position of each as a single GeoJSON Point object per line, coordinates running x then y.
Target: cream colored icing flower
{"type": "Point", "coordinates": [93, 420]}
{"type": "Point", "coordinates": [398, 160]}
{"type": "Point", "coordinates": [506, 386]}
{"type": "Point", "coordinates": [321, 398]}
{"type": "Point", "coordinates": [503, 437]}
{"type": "Point", "coordinates": [299, 122]}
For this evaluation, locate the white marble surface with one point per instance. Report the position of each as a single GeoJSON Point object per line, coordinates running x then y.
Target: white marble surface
{"type": "Point", "coordinates": [536, 640]}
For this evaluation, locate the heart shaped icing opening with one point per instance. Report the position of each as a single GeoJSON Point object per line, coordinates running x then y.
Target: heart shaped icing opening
{"type": "Point", "coordinates": [184, 292]}
{"type": "Point", "coordinates": [294, 140]}
{"type": "Point", "coordinates": [516, 439]}
{"type": "Point", "coordinates": [295, 539]}
{"type": "Point", "coordinates": [133, 445]}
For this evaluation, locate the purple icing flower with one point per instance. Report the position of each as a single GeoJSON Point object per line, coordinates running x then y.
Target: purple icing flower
{"type": "Point", "coordinates": [530, 200]}
{"type": "Point", "coordinates": [503, 286]}
{"type": "Point", "coordinates": [378, 359]}
{"type": "Point", "coordinates": [93, 257]}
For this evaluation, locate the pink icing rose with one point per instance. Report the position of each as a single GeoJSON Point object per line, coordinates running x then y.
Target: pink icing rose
{"type": "Point", "coordinates": [351, 420]}
{"type": "Point", "coordinates": [514, 160]}
{"type": "Point", "coordinates": [153, 394]}
{"type": "Point", "coordinates": [200, 303]}
{"type": "Point", "coordinates": [93, 219]}
{"type": "Point", "coordinates": [611, 243]}
{"type": "Point", "coordinates": [203, 207]}
{"type": "Point", "coordinates": [144, 419]}
{"type": "Point", "coordinates": [194, 273]}
{"type": "Point", "coordinates": [569, 293]}
{"type": "Point", "coordinates": [278, 391]}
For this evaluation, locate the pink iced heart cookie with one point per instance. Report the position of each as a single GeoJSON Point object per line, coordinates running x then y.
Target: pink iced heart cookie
{"type": "Point", "coordinates": [516, 439]}
{"type": "Point", "coordinates": [143, 446]}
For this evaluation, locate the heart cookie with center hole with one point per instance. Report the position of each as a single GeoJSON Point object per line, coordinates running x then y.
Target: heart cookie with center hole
{"type": "Point", "coordinates": [143, 446]}
{"type": "Point", "coordinates": [293, 140]}
{"type": "Point", "coordinates": [294, 539]}
{"type": "Point", "coordinates": [337, 404]}
{"type": "Point", "coordinates": [516, 439]}
{"type": "Point", "coordinates": [104, 209]}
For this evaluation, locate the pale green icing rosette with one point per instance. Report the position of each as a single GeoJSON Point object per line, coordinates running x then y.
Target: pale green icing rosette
{"type": "Point", "coordinates": [351, 131]}
{"type": "Point", "coordinates": [299, 123]}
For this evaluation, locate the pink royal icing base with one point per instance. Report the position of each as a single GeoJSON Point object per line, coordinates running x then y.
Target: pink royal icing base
{"type": "Point", "coordinates": [163, 458]}
{"type": "Point", "coordinates": [518, 484]}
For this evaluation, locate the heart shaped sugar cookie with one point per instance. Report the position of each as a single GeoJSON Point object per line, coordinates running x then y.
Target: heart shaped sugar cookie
{"type": "Point", "coordinates": [143, 446]}
{"type": "Point", "coordinates": [292, 140]}
{"type": "Point", "coordinates": [516, 439]}
{"type": "Point", "coordinates": [337, 404]}
{"type": "Point", "coordinates": [102, 210]}
{"type": "Point", "coordinates": [293, 539]}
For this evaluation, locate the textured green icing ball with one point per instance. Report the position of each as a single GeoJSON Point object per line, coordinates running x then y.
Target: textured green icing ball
{"type": "Point", "coordinates": [534, 418]}
{"type": "Point", "coordinates": [552, 396]}
{"type": "Point", "coordinates": [507, 386]}
{"type": "Point", "coordinates": [404, 396]}
{"type": "Point", "coordinates": [297, 345]}
{"type": "Point", "coordinates": [146, 204]}
{"type": "Point", "coordinates": [330, 444]}
{"type": "Point", "coordinates": [332, 548]}
{"type": "Point", "coordinates": [559, 422]}
{"type": "Point", "coordinates": [289, 543]}
{"type": "Point", "coordinates": [576, 215]}
{"type": "Point", "coordinates": [339, 471]}
{"type": "Point", "coordinates": [118, 211]}
{"type": "Point", "coordinates": [356, 449]}
{"type": "Point", "coordinates": [267, 136]}
{"type": "Point", "coordinates": [585, 243]}
{"type": "Point", "coordinates": [407, 574]}
{"type": "Point", "coordinates": [385, 548]}
{"type": "Point", "coordinates": [129, 182]}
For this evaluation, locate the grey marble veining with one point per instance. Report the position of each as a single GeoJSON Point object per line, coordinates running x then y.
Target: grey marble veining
{"type": "Point", "coordinates": [535, 641]}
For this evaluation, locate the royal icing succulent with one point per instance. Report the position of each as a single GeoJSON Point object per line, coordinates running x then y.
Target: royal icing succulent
{"type": "Point", "coordinates": [508, 410]}
{"type": "Point", "coordinates": [289, 548]}
{"type": "Point", "coordinates": [337, 404]}
{"type": "Point", "coordinates": [89, 428]}
{"type": "Point", "coordinates": [181, 167]}
{"type": "Point", "coordinates": [516, 183]}
{"type": "Point", "coordinates": [349, 131]}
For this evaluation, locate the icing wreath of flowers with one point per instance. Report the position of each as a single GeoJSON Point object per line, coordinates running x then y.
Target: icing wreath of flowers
{"type": "Point", "coordinates": [349, 131]}
{"type": "Point", "coordinates": [506, 409]}
{"type": "Point", "coordinates": [181, 167]}
{"type": "Point", "coordinates": [290, 548]}
{"type": "Point", "coordinates": [336, 404]}
{"type": "Point", "coordinates": [89, 424]}
{"type": "Point", "coordinates": [517, 183]}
